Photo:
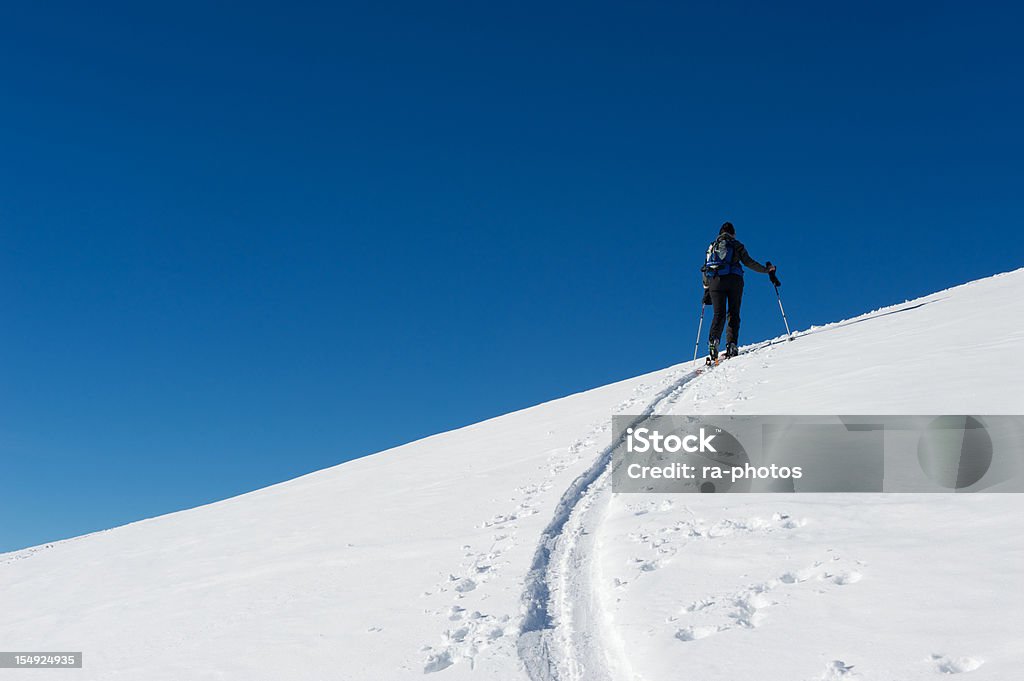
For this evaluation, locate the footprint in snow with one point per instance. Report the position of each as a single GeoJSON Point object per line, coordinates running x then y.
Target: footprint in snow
{"type": "Point", "coordinates": [836, 670]}
{"type": "Point", "coordinates": [438, 661]}
{"type": "Point", "coordinates": [696, 632]}
{"type": "Point", "coordinates": [748, 609]}
{"type": "Point", "coordinates": [463, 643]}
{"type": "Point", "coordinates": [796, 576]}
{"type": "Point", "coordinates": [699, 605]}
{"type": "Point", "coordinates": [458, 635]}
{"type": "Point", "coordinates": [465, 585]}
{"type": "Point", "coordinates": [645, 565]}
{"type": "Point", "coordinates": [845, 578]}
{"type": "Point", "coordinates": [956, 665]}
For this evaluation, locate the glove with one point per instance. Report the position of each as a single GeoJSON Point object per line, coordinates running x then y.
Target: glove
{"type": "Point", "coordinates": [706, 300]}
{"type": "Point", "coordinates": [771, 274]}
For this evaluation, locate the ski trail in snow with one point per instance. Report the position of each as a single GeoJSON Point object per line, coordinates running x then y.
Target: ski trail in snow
{"type": "Point", "coordinates": [561, 636]}
{"type": "Point", "coordinates": [469, 628]}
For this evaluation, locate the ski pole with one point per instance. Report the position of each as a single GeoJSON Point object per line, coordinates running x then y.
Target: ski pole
{"type": "Point", "coordinates": [700, 324]}
{"type": "Point", "coordinates": [776, 283]}
{"type": "Point", "coordinates": [789, 334]}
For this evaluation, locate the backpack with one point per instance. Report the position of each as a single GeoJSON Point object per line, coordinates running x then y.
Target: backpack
{"type": "Point", "coordinates": [720, 258]}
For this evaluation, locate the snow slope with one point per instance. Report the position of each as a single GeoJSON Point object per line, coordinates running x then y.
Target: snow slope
{"type": "Point", "coordinates": [497, 551]}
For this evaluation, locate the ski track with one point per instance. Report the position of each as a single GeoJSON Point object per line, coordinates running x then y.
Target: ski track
{"type": "Point", "coordinates": [469, 633]}
{"type": "Point", "coordinates": [561, 635]}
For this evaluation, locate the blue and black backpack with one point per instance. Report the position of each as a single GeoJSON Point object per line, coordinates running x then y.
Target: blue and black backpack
{"type": "Point", "coordinates": [721, 258]}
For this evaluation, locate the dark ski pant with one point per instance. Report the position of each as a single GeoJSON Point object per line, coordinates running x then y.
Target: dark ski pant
{"type": "Point", "coordinates": [726, 295]}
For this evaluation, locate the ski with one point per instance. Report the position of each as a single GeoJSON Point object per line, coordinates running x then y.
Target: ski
{"type": "Point", "coordinates": [710, 364]}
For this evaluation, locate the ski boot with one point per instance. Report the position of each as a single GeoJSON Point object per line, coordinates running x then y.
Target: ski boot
{"type": "Point", "coordinates": [731, 350]}
{"type": "Point", "coordinates": [712, 353]}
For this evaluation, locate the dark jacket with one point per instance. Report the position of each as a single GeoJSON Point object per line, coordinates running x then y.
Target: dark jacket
{"type": "Point", "coordinates": [739, 255]}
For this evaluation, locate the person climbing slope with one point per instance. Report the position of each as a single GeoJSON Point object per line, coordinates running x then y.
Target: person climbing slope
{"type": "Point", "coordinates": [723, 287]}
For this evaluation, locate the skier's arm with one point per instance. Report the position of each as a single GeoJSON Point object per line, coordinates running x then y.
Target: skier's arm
{"type": "Point", "coordinates": [750, 262]}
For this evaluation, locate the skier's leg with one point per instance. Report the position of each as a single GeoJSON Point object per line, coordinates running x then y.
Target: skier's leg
{"type": "Point", "coordinates": [718, 302]}
{"type": "Point", "coordinates": [735, 294]}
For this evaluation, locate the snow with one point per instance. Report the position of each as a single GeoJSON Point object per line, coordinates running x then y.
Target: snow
{"type": "Point", "coordinates": [498, 551]}
{"type": "Point", "coordinates": [774, 587]}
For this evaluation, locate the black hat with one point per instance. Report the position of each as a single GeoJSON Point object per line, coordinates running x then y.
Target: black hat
{"type": "Point", "coordinates": [727, 228]}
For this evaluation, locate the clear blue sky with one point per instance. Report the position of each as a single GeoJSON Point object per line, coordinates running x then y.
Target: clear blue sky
{"type": "Point", "coordinates": [238, 246]}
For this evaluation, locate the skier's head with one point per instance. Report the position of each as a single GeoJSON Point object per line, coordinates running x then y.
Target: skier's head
{"type": "Point", "coordinates": [727, 228]}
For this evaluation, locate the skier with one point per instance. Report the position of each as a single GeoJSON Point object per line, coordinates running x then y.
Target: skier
{"type": "Point", "coordinates": [723, 287]}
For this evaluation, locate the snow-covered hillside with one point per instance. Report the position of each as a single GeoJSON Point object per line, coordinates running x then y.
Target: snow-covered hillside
{"type": "Point", "coordinates": [498, 551]}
